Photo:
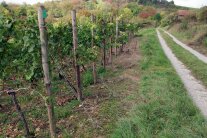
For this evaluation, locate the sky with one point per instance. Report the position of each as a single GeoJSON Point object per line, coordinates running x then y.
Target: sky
{"type": "Point", "coordinates": [24, 1]}
{"type": "Point", "coordinates": [191, 3]}
{"type": "Point", "coordinates": [187, 3]}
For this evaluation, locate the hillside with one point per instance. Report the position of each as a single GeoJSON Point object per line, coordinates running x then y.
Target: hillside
{"type": "Point", "coordinates": [189, 26]}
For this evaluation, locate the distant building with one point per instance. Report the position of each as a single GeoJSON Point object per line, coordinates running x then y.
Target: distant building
{"type": "Point", "coordinates": [183, 13]}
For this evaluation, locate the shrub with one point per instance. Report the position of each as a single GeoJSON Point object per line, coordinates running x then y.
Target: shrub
{"type": "Point", "coordinates": [202, 15]}
{"type": "Point", "coordinates": [101, 71]}
{"type": "Point", "coordinates": [148, 12]}
{"type": "Point", "coordinates": [87, 78]}
{"type": "Point", "coordinates": [157, 17]}
{"type": "Point", "coordinates": [168, 20]}
{"type": "Point", "coordinates": [134, 7]}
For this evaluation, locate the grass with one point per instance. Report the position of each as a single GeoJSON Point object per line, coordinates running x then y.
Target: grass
{"type": "Point", "coordinates": [66, 110]}
{"type": "Point", "coordinates": [198, 68]}
{"type": "Point", "coordinates": [165, 109]}
{"type": "Point", "coordinates": [113, 108]}
{"type": "Point", "coordinates": [87, 78]}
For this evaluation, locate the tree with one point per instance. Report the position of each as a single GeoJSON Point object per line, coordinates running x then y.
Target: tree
{"type": "Point", "coordinates": [4, 4]}
{"type": "Point", "coordinates": [172, 2]}
{"type": "Point", "coordinates": [134, 7]}
{"type": "Point", "coordinates": [157, 17]}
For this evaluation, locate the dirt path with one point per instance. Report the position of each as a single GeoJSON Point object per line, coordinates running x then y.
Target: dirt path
{"type": "Point", "coordinates": [196, 90]}
{"type": "Point", "coordinates": [127, 60]}
{"type": "Point", "coordinates": [194, 52]}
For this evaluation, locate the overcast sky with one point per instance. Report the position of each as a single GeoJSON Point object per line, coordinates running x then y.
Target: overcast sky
{"type": "Point", "coordinates": [191, 3]}
{"type": "Point", "coordinates": [188, 3]}
{"type": "Point", "coordinates": [23, 1]}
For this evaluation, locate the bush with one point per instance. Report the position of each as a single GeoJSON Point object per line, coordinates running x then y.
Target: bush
{"type": "Point", "coordinates": [134, 7]}
{"type": "Point", "coordinates": [168, 20]}
{"type": "Point", "coordinates": [101, 71]}
{"type": "Point", "coordinates": [202, 15]}
{"type": "Point", "coordinates": [148, 12]}
{"type": "Point", "coordinates": [165, 22]}
{"type": "Point", "coordinates": [87, 78]}
{"type": "Point", "coordinates": [157, 17]}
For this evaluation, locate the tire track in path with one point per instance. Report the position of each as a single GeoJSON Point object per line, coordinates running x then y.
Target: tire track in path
{"type": "Point", "coordinates": [194, 52]}
{"type": "Point", "coordinates": [194, 87]}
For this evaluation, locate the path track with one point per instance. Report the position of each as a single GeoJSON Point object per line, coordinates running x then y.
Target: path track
{"type": "Point", "coordinates": [194, 52]}
{"type": "Point", "coordinates": [194, 87]}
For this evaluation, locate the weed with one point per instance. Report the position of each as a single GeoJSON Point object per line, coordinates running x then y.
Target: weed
{"type": "Point", "coordinates": [24, 99]}
{"type": "Point", "coordinates": [3, 117]}
{"type": "Point", "coordinates": [37, 112]}
{"type": "Point", "coordinates": [88, 93]}
{"type": "Point", "coordinates": [66, 110]}
{"type": "Point", "coordinates": [205, 41]}
{"type": "Point", "coordinates": [184, 25]}
{"type": "Point", "coordinates": [101, 71]}
{"type": "Point", "coordinates": [66, 134]}
{"type": "Point", "coordinates": [87, 78]}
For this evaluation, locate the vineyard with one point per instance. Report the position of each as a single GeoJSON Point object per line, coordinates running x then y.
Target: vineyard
{"type": "Point", "coordinates": [74, 53]}
{"type": "Point", "coordinates": [99, 68]}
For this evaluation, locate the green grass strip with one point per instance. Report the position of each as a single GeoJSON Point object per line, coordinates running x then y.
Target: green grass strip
{"type": "Point", "coordinates": [165, 110]}
{"type": "Point", "coordinates": [197, 67]}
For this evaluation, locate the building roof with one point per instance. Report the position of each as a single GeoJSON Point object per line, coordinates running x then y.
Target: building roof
{"type": "Point", "coordinates": [183, 12]}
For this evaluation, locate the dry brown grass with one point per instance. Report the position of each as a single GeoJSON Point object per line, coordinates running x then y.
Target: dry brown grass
{"type": "Point", "coordinates": [193, 36]}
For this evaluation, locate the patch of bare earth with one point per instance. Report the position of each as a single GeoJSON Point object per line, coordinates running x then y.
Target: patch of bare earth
{"type": "Point", "coordinates": [128, 60]}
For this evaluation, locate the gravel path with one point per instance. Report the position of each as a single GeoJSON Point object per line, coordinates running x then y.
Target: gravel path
{"type": "Point", "coordinates": [194, 52]}
{"type": "Point", "coordinates": [194, 87]}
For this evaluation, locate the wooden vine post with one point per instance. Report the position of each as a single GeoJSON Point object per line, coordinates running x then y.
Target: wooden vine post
{"type": "Point", "coordinates": [104, 45]}
{"type": "Point", "coordinates": [111, 48]}
{"type": "Point", "coordinates": [92, 44]}
{"type": "Point", "coordinates": [75, 46]}
{"type": "Point", "coordinates": [44, 50]}
{"type": "Point", "coordinates": [21, 114]}
{"type": "Point", "coordinates": [117, 33]}
{"type": "Point", "coordinates": [110, 51]}
{"type": "Point", "coordinates": [122, 43]}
